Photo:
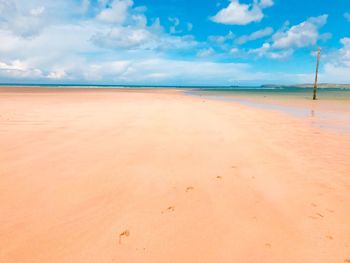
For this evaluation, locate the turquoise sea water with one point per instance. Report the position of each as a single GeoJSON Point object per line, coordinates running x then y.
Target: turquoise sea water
{"type": "Point", "coordinates": [283, 91]}
{"type": "Point", "coordinates": [333, 93]}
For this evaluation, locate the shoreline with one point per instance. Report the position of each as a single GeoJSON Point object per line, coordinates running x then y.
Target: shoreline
{"type": "Point", "coordinates": [105, 86]}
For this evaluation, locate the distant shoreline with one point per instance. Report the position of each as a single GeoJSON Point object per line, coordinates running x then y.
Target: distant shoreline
{"type": "Point", "coordinates": [321, 85]}
{"type": "Point", "coordinates": [92, 86]}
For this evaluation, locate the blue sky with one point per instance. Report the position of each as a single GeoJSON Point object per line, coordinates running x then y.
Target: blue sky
{"type": "Point", "coordinates": [173, 42]}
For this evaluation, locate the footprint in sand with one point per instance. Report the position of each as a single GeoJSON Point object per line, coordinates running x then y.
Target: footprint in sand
{"type": "Point", "coordinates": [317, 217]}
{"type": "Point", "coordinates": [126, 233]}
{"type": "Point", "coordinates": [171, 209]}
{"type": "Point", "coordinates": [329, 237]}
{"type": "Point", "coordinates": [320, 215]}
{"type": "Point", "coordinates": [268, 245]}
{"type": "Point", "coordinates": [219, 177]}
{"type": "Point", "coordinates": [313, 204]}
{"type": "Point", "coordinates": [190, 188]}
{"type": "Point", "coordinates": [347, 261]}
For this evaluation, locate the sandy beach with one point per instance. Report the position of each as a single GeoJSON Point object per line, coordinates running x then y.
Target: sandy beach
{"type": "Point", "coordinates": [157, 176]}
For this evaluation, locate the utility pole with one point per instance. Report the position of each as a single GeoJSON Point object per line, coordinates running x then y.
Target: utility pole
{"type": "Point", "coordinates": [316, 77]}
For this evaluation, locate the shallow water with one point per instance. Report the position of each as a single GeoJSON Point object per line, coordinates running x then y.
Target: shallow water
{"type": "Point", "coordinates": [286, 92]}
{"type": "Point", "coordinates": [331, 111]}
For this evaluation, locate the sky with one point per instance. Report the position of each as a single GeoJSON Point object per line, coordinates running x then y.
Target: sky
{"type": "Point", "coordinates": [174, 42]}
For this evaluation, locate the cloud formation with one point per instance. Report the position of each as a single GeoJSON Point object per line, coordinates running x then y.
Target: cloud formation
{"type": "Point", "coordinates": [116, 13]}
{"type": "Point", "coordinates": [24, 22]}
{"type": "Point", "coordinates": [116, 41]}
{"type": "Point", "coordinates": [254, 36]}
{"type": "Point", "coordinates": [101, 49]}
{"type": "Point", "coordinates": [242, 14]}
{"type": "Point", "coordinates": [129, 29]}
{"type": "Point", "coordinates": [337, 67]}
{"type": "Point", "coordinates": [301, 35]}
{"type": "Point", "coordinates": [285, 41]}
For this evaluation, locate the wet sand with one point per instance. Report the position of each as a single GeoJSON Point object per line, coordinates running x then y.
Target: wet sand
{"type": "Point", "coordinates": [157, 176]}
{"type": "Point", "coordinates": [327, 113]}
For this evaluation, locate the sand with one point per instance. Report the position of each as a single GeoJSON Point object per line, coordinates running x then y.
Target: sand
{"type": "Point", "coordinates": [157, 176]}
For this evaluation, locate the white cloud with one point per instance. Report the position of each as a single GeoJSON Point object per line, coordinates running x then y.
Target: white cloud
{"type": "Point", "coordinates": [178, 27]}
{"type": "Point", "coordinates": [335, 74]}
{"type": "Point", "coordinates": [344, 52]}
{"type": "Point", "coordinates": [302, 35]}
{"type": "Point", "coordinates": [337, 66]}
{"type": "Point", "coordinates": [105, 44]}
{"type": "Point", "coordinates": [14, 65]}
{"type": "Point", "coordinates": [37, 11]}
{"type": "Point", "coordinates": [138, 71]}
{"type": "Point", "coordinates": [284, 42]}
{"type": "Point", "coordinates": [175, 23]}
{"type": "Point", "coordinates": [57, 74]}
{"type": "Point", "coordinates": [222, 39]}
{"type": "Point", "coordinates": [75, 58]}
{"type": "Point", "coordinates": [20, 20]}
{"type": "Point", "coordinates": [147, 38]}
{"type": "Point", "coordinates": [130, 31]}
{"type": "Point", "coordinates": [19, 69]}
{"type": "Point", "coordinates": [85, 5]}
{"type": "Point", "coordinates": [190, 72]}
{"type": "Point", "coordinates": [234, 51]}
{"type": "Point", "coordinates": [28, 19]}
{"type": "Point", "coordinates": [266, 51]}
{"type": "Point", "coordinates": [242, 14]}
{"type": "Point", "coordinates": [125, 37]}
{"type": "Point", "coordinates": [101, 47]}
{"type": "Point", "coordinates": [207, 52]}
{"type": "Point", "coordinates": [117, 12]}
{"type": "Point", "coordinates": [64, 61]}
{"type": "Point", "coordinates": [266, 3]}
{"type": "Point", "coordinates": [255, 35]}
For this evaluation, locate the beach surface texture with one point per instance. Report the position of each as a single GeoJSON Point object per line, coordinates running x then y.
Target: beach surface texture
{"type": "Point", "coordinates": [154, 176]}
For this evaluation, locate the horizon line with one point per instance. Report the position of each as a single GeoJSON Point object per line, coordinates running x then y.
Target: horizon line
{"type": "Point", "coordinates": [161, 86]}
